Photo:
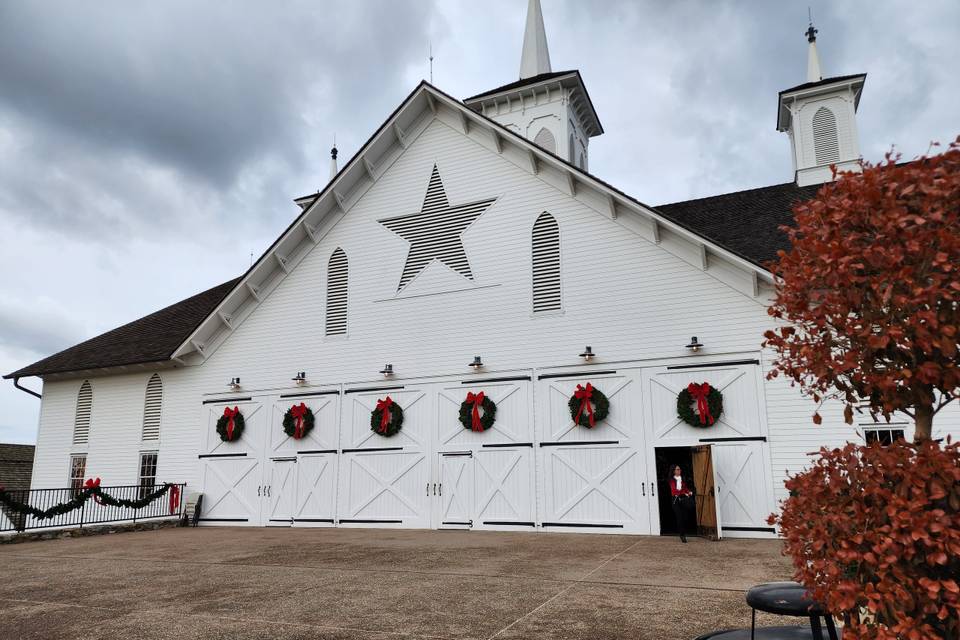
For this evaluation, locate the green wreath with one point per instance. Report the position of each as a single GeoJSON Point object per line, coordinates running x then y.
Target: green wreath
{"type": "Point", "coordinates": [486, 419]}
{"type": "Point", "coordinates": [695, 393]}
{"type": "Point", "coordinates": [393, 423]}
{"type": "Point", "coordinates": [307, 421]}
{"type": "Point", "coordinates": [588, 406]}
{"type": "Point", "coordinates": [224, 422]}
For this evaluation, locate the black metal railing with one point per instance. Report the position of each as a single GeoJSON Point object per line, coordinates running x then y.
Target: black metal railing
{"type": "Point", "coordinates": [91, 511]}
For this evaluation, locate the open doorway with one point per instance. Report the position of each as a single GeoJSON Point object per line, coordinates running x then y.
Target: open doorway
{"type": "Point", "coordinates": [666, 457]}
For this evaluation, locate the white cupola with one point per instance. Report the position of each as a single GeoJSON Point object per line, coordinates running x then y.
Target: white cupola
{"type": "Point", "coordinates": [820, 116]}
{"type": "Point", "coordinates": [551, 108]}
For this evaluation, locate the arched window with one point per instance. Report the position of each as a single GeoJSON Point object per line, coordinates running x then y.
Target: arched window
{"type": "Point", "coordinates": [546, 264]}
{"type": "Point", "coordinates": [545, 140]}
{"type": "Point", "coordinates": [826, 144]}
{"type": "Point", "coordinates": [337, 293]}
{"type": "Point", "coordinates": [81, 420]}
{"type": "Point", "coordinates": [572, 150]}
{"type": "Point", "coordinates": [151, 408]}
{"type": "Point", "coordinates": [582, 161]}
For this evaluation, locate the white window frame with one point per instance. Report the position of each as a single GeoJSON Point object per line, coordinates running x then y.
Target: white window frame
{"type": "Point", "coordinates": [75, 482]}
{"type": "Point", "coordinates": [144, 489]}
{"type": "Point", "coordinates": [883, 428]}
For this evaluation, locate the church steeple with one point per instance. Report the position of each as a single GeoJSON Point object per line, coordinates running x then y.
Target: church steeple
{"type": "Point", "coordinates": [814, 74]}
{"type": "Point", "coordinates": [535, 58]}
{"type": "Point", "coordinates": [820, 116]}
{"type": "Point", "coordinates": [550, 108]}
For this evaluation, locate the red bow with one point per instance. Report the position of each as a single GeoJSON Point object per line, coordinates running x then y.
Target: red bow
{"type": "Point", "coordinates": [476, 400]}
{"type": "Point", "coordinates": [229, 414]}
{"type": "Point", "coordinates": [94, 487]}
{"type": "Point", "coordinates": [384, 406]}
{"type": "Point", "coordinates": [583, 394]}
{"type": "Point", "coordinates": [298, 411]}
{"type": "Point", "coordinates": [174, 499]}
{"type": "Point", "coordinates": [700, 393]}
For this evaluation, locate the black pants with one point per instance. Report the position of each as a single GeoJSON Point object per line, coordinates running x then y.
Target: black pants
{"type": "Point", "coordinates": [679, 515]}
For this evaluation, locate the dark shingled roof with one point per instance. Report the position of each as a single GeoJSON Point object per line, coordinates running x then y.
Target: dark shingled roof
{"type": "Point", "coordinates": [152, 338]}
{"type": "Point", "coordinates": [16, 465]}
{"type": "Point", "coordinates": [810, 85]}
{"type": "Point", "coordinates": [522, 82]}
{"type": "Point", "coordinates": [746, 222]}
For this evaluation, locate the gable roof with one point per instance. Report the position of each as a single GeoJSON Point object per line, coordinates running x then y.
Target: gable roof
{"type": "Point", "coordinates": [194, 328]}
{"type": "Point", "coordinates": [152, 338]}
{"type": "Point", "coordinates": [745, 222]}
{"type": "Point", "coordinates": [522, 82]}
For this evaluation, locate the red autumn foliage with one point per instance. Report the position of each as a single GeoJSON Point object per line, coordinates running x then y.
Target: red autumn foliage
{"type": "Point", "coordinates": [870, 290]}
{"type": "Point", "coordinates": [874, 533]}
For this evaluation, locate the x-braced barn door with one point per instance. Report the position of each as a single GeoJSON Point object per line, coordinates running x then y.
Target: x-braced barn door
{"type": "Point", "coordinates": [456, 490]}
{"type": "Point", "coordinates": [279, 490]}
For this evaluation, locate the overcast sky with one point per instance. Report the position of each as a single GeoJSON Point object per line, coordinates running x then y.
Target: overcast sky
{"type": "Point", "coordinates": [147, 148]}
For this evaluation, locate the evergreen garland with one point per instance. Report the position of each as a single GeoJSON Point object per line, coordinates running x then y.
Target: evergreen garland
{"type": "Point", "coordinates": [597, 406]}
{"type": "Point", "coordinates": [394, 422]}
{"type": "Point", "coordinates": [714, 405]}
{"type": "Point", "coordinates": [84, 494]}
{"type": "Point", "coordinates": [224, 421]}
{"type": "Point", "coordinates": [290, 421]}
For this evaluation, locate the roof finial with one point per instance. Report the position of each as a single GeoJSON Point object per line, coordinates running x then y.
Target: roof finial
{"type": "Point", "coordinates": [814, 74]}
{"type": "Point", "coordinates": [536, 57]}
{"type": "Point", "coordinates": [333, 158]}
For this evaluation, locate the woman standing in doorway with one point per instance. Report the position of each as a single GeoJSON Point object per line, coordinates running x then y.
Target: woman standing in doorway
{"type": "Point", "coordinates": [681, 495]}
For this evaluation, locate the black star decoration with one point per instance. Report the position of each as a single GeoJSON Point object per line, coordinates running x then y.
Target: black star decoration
{"type": "Point", "coordinates": [434, 231]}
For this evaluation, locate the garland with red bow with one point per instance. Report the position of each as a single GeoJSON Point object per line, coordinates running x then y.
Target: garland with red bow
{"type": "Point", "coordinates": [709, 405]}
{"type": "Point", "coordinates": [588, 406]}
{"type": "Point", "coordinates": [386, 419]}
{"type": "Point", "coordinates": [230, 424]}
{"type": "Point", "coordinates": [90, 488]}
{"type": "Point", "coordinates": [470, 412]}
{"type": "Point", "coordinates": [298, 421]}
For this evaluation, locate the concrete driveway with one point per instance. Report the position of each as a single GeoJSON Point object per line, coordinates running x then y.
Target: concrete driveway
{"type": "Point", "coordinates": [378, 584]}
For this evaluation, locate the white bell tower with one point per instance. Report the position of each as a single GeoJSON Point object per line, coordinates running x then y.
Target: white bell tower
{"type": "Point", "coordinates": [820, 116]}
{"type": "Point", "coordinates": [550, 108]}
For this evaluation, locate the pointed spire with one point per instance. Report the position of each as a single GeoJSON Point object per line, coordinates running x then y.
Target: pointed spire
{"type": "Point", "coordinates": [536, 57]}
{"type": "Point", "coordinates": [333, 160]}
{"type": "Point", "coordinates": [814, 74]}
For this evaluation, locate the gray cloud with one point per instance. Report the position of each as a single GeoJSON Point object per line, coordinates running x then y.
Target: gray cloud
{"type": "Point", "coordinates": [146, 149]}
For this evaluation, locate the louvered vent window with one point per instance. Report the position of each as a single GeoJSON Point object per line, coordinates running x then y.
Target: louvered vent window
{"type": "Point", "coordinates": [337, 294]}
{"type": "Point", "coordinates": [151, 408]}
{"type": "Point", "coordinates": [546, 264]}
{"type": "Point", "coordinates": [81, 422]}
{"type": "Point", "coordinates": [826, 144]}
{"type": "Point", "coordinates": [545, 140]}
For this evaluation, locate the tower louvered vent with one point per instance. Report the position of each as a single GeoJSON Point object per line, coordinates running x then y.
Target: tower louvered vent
{"type": "Point", "coordinates": [826, 144]}
{"type": "Point", "coordinates": [545, 140]}
{"type": "Point", "coordinates": [151, 408]}
{"type": "Point", "coordinates": [337, 294]}
{"type": "Point", "coordinates": [81, 422]}
{"type": "Point", "coordinates": [546, 264]}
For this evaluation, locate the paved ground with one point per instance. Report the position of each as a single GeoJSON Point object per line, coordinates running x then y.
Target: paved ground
{"type": "Point", "coordinates": [377, 584]}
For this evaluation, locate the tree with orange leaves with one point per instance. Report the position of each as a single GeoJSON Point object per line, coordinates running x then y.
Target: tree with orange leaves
{"type": "Point", "coordinates": [869, 293]}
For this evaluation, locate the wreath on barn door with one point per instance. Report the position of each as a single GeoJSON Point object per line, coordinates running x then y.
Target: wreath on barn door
{"type": "Point", "coordinates": [230, 425]}
{"type": "Point", "coordinates": [470, 416]}
{"type": "Point", "coordinates": [298, 421]}
{"type": "Point", "coordinates": [588, 406]}
{"type": "Point", "coordinates": [709, 404]}
{"type": "Point", "coordinates": [386, 419]}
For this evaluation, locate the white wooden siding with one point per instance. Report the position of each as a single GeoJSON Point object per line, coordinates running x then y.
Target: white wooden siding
{"type": "Point", "coordinates": [627, 297]}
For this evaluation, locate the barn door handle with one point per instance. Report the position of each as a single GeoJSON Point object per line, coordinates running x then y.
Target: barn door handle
{"type": "Point", "coordinates": [441, 489]}
{"type": "Point", "coordinates": [643, 487]}
{"type": "Point", "coordinates": [258, 490]}
{"type": "Point", "coordinates": [428, 488]}
{"type": "Point", "coordinates": [269, 490]}
{"type": "Point", "coordinates": [434, 488]}
{"type": "Point", "coordinates": [651, 489]}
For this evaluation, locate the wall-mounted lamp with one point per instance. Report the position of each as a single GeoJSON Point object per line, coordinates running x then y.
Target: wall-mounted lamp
{"type": "Point", "coordinates": [477, 363]}
{"type": "Point", "coordinates": [387, 370]}
{"type": "Point", "coordinates": [695, 345]}
{"type": "Point", "coordinates": [300, 378]}
{"type": "Point", "coordinates": [234, 384]}
{"type": "Point", "coordinates": [588, 354]}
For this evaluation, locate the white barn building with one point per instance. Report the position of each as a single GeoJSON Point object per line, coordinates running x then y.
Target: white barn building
{"type": "Point", "coordinates": [466, 227]}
